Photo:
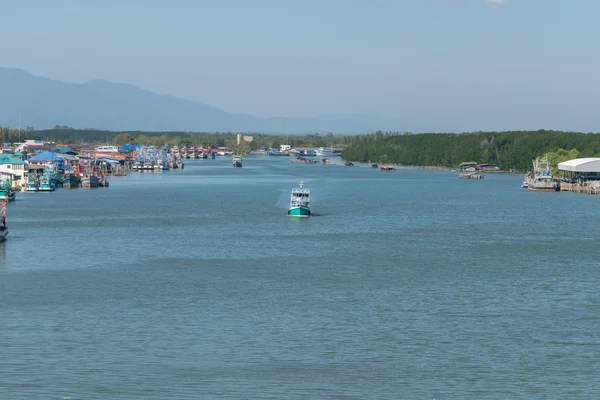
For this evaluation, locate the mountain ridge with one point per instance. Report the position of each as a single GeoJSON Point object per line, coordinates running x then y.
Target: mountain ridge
{"type": "Point", "coordinates": [99, 104]}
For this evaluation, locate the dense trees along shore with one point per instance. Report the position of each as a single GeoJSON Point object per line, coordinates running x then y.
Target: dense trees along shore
{"type": "Point", "coordinates": [510, 150]}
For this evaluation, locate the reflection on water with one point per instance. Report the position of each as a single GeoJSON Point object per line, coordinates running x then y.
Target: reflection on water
{"type": "Point", "coordinates": [3, 255]}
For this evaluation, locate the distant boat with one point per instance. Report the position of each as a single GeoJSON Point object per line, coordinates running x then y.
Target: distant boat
{"type": "Point", "coordinates": [237, 161]}
{"type": "Point", "coordinates": [387, 168]}
{"type": "Point", "coordinates": [325, 152]}
{"type": "Point", "coordinates": [300, 202]}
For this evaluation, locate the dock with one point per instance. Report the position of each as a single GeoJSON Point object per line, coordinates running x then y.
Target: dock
{"type": "Point", "coordinates": [587, 187]}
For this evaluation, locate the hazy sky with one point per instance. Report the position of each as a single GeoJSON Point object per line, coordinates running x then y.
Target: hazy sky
{"type": "Point", "coordinates": [453, 64]}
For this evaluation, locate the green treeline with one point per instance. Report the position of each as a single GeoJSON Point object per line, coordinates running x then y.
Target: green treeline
{"type": "Point", "coordinates": [510, 150]}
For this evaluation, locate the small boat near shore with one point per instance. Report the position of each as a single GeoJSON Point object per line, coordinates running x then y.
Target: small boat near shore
{"type": "Point", "coordinates": [300, 202]}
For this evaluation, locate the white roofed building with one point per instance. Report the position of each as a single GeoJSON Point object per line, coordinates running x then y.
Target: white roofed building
{"type": "Point", "coordinates": [580, 165]}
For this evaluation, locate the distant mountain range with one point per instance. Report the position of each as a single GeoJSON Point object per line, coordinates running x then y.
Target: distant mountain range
{"type": "Point", "coordinates": [44, 103]}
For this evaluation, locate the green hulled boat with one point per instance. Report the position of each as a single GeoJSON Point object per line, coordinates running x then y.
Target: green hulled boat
{"type": "Point", "coordinates": [71, 181]}
{"type": "Point", "coordinates": [300, 202]}
{"type": "Point", "coordinates": [6, 191]}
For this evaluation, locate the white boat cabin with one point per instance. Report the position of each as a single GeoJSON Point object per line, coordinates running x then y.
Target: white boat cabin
{"type": "Point", "coordinates": [300, 196]}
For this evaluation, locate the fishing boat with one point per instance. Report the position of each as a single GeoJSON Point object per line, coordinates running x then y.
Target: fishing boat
{"type": "Point", "coordinates": [6, 191]}
{"type": "Point", "coordinates": [300, 202]}
{"type": "Point", "coordinates": [90, 181]}
{"type": "Point", "coordinates": [237, 161]}
{"type": "Point", "coordinates": [33, 183]}
{"type": "Point", "coordinates": [3, 228]}
{"type": "Point", "coordinates": [326, 152]}
{"type": "Point", "coordinates": [541, 179]}
{"type": "Point", "coordinates": [45, 184]}
{"type": "Point", "coordinates": [71, 181]}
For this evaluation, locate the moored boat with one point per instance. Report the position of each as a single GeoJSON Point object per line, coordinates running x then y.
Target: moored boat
{"type": "Point", "coordinates": [541, 179]}
{"type": "Point", "coordinates": [3, 228]}
{"type": "Point", "coordinates": [6, 191]}
{"type": "Point", "coordinates": [71, 181]}
{"type": "Point", "coordinates": [33, 183]}
{"type": "Point", "coordinates": [45, 184]}
{"type": "Point", "coordinates": [300, 202]}
{"type": "Point", "coordinates": [90, 181]}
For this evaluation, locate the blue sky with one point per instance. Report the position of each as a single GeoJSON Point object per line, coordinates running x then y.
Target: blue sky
{"type": "Point", "coordinates": [454, 65]}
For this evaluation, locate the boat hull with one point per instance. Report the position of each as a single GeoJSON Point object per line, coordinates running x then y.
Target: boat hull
{"type": "Point", "coordinates": [90, 181]}
{"type": "Point", "coordinates": [10, 196]}
{"type": "Point", "coordinates": [3, 233]}
{"type": "Point", "coordinates": [46, 188]}
{"type": "Point", "coordinates": [542, 189]}
{"type": "Point", "coordinates": [72, 181]}
{"type": "Point", "coordinates": [299, 211]}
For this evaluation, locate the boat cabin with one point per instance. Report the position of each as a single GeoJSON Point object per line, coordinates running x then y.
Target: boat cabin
{"type": "Point", "coordinates": [300, 197]}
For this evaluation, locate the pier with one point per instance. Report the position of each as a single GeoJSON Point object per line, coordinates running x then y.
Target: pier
{"type": "Point", "coordinates": [586, 187]}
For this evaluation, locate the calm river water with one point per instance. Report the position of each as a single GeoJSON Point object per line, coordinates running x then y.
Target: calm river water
{"type": "Point", "coordinates": [404, 285]}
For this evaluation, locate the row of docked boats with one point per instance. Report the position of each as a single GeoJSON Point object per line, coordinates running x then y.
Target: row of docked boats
{"type": "Point", "coordinates": [156, 159]}
{"type": "Point", "coordinates": [193, 153]}
{"type": "Point", "coordinates": [57, 175]}
{"type": "Point", "coordinates": [320, 152]}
